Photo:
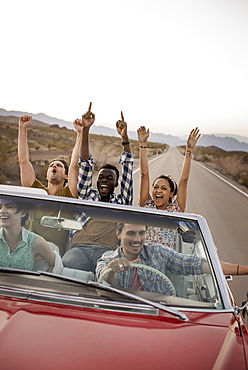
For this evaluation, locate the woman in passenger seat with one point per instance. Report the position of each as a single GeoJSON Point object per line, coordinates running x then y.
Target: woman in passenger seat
{"type": "Point", "coordinates": [18, 246]}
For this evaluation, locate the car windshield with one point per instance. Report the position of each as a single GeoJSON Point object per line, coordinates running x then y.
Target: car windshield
{"type": "Point", "coordinates": [172, 265]}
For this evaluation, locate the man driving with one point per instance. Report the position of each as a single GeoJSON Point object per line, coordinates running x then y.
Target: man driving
{"type": "Point", "coordinates": [133, 249]}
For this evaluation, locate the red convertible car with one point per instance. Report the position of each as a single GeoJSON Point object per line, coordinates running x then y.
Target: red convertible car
{"type": "Point", "coordinates": [181, 316]}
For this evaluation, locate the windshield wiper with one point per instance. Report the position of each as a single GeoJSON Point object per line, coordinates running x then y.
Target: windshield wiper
{"type": "Point", "coordinates": [174, 312]}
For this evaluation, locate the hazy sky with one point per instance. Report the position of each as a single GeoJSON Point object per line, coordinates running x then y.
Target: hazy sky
{"type": "Point", "coordinates": [168, 64]}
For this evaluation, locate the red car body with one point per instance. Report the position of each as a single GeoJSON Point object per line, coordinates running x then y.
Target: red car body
{"type": "Point", "coordinates": [42, 336]}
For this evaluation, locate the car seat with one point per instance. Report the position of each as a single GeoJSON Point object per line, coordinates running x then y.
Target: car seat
{"type": "Point", "coordinates": [42, 265]}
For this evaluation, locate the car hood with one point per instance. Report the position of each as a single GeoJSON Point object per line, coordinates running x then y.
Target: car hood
{"type": "Point", "coordinates": [38, 336]}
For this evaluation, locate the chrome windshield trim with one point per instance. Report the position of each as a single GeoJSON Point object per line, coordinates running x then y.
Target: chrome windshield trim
{"type": "Point", "coordinates": [93, 303]}
{"type": "Point", "coordinates": [14, 292]}
{"type": "Point", "coordinates": [214, 258]}
{"type": "Point", "coordinates": [97, 303]}
{"type": "Point", "coordinates": [32, 295]}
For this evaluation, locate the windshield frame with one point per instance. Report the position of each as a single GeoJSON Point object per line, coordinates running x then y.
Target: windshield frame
{"type": "Point", "coordinates": [134, 213]}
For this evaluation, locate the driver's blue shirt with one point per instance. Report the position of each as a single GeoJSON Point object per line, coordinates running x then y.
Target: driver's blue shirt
{"type": "Point", "coordinates": [159, 257]}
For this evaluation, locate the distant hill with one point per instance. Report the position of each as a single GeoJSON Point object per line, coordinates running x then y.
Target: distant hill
{"type": "Point", "coordinates": [238, 137]}
{"type": "Point", "coordinates": [48, 141]}
{"type": "Point", "coordinates": [226, 142]}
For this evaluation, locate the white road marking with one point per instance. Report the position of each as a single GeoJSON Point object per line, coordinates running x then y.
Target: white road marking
{"type": "Point", "coordinates": [220, 177]}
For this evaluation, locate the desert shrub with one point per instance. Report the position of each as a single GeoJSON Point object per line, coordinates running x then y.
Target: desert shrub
{"type": "Point", "coordinates": [2, 179]}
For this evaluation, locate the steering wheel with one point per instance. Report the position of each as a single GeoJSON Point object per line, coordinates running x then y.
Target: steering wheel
{"type": "Point", "coordinates": [139, 265]}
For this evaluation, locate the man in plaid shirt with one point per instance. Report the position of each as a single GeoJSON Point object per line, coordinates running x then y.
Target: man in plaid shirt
{"type": "Point", "coordinates": [108, 175]}
{"type": "Point", "coordinates": [133, 249]}
{"type": "Point", "coordinates": [93, 240]}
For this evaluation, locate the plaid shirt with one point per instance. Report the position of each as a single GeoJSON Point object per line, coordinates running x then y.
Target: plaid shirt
{"type": "Point", "coordinates": [85, 190]}
{"type": "Point", "coordinates": [161, 258]}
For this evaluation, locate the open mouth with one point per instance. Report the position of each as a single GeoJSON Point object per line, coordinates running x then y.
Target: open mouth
{"type": "Point", "coordinates": [135, 245]}
{"type": "Point", "coordinates": [4, 218]}
{"type": "Point", "coordinates": [104, 188]}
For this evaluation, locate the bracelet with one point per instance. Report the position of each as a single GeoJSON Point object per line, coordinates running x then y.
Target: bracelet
{"type": "Point", "coordinates": [237, 269]}
{"type": "Point", "coordinates": [125, 143]}
{"type": "Point", "coordinates": [142, 146]}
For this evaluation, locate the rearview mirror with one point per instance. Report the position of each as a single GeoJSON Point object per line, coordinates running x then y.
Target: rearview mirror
{"type": "Point", "coordinates": [61, 223]}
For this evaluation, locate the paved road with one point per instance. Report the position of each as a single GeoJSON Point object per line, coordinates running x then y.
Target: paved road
{"type": "Point", "coordinates": [224, 207]}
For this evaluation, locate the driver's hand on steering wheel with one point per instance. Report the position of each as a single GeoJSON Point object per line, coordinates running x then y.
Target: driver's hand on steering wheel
{"type": "Point", "coordinates": [121, 264]}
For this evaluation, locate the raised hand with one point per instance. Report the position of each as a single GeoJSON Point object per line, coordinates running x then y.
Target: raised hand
{"type": "Point", "coordinates": [25, 121]}
{"type": "Point", "coordinates": [121, 128]}
{"type": "Point", "coordinates": [78, 125]}
{"type": "Point", "coordinates": [193, 138]}
{"type": "Point", "coordinates": [143, 134]}
{"type": "Point", "coordinates": [88, 118]}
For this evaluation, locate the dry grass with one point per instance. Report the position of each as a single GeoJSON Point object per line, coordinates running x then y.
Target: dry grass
{"type": "Point", "coordinates": [51, 141]}
{"type": "Point", "coordinates": [233, 164]}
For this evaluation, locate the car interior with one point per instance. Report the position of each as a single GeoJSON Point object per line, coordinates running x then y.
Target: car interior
{"type": "Point", "coordinates": [60, 218]}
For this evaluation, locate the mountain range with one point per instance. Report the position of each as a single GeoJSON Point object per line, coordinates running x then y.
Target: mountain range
{"type": "Point", "coordinates": [226, 142]}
